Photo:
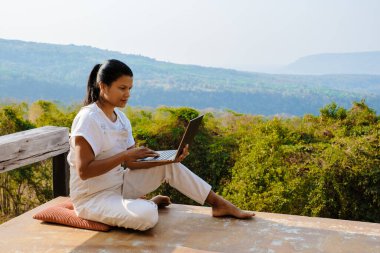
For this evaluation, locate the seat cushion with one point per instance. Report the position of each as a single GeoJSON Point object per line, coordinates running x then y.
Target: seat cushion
{"type": "Point", "coordinates": [64, 214]}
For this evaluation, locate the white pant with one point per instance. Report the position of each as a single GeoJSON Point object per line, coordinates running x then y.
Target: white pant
{"type": "Point", "coordinates": [125, 210]}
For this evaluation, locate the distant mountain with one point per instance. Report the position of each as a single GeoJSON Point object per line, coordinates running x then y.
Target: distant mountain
{"type": "Point", "coordinates": [344, 63]}
{"type": "Point", "coordinates": [31, 71]}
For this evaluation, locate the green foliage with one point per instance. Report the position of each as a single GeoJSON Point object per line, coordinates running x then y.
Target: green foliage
{"type": "Point", "coordinates": [12, 119]}
{"type": "Point", "coordinates": [328, 167]}
{"type": "Point", "coordinates": [24, 188]}
{"type": "Point", "coordinates": [332, 111]}
{"type": "Point", "coordinates": [183, 114]}
{"type": "Point", "coordinates": [47, 113]}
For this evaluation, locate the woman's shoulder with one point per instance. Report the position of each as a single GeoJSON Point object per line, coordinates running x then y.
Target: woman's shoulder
{"type": "Point", "coordinates": [88, 110]}
{"type": "Point", "coordinates": [86, 120]}
{"type": "Point", "coordinates": [87, 113]}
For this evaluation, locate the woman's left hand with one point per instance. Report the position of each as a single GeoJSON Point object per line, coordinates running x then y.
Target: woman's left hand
{"type": "Point", "coordinates": [184, 154]}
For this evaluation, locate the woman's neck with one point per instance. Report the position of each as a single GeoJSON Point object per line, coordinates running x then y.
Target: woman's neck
{"type": "Point", "coordinates": [108, 109]}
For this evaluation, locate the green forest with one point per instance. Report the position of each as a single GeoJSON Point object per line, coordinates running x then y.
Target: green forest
{"type": "Point", "coordinates": [325, 165]}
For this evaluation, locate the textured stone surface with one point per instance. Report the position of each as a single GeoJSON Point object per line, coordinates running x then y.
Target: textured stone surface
{"type": "Point", "coordinates": [184, 229]}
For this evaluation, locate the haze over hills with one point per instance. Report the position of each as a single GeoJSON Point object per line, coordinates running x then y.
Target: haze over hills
{"type": "Point", "coordinates": [343, 63]}
{"type": "Point", "coordinates": [31, 71]}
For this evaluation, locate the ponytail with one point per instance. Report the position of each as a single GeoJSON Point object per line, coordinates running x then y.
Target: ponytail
{"type": "Point", "coordinates": [92, 86]}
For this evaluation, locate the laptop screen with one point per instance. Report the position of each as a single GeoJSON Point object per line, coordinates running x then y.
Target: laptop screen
{"type": "Point", "coordinates": [189, 134]}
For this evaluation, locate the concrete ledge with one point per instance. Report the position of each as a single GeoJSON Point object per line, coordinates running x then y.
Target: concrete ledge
{"type": "Point", "coordinates": [183, 228]}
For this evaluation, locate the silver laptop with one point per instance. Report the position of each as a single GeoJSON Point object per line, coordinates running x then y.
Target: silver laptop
{"type": "Point", "coordinates": [187, 138]}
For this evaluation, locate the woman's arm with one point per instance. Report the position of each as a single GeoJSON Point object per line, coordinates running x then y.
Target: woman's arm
{"type": "Point", "coordinates": [88, 167]}
{"type": "Point", "coordinates": [145, 165]}
{"type": "Point", "coordinates": [134, 165]}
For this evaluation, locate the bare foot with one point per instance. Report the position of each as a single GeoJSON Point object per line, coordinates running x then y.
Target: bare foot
{"type": "Point", "coordinates": [225, 208]}
{"type": "Point", "coordinates": [222, 207]}
{"type": "Point", "coordinates": [161, 201]}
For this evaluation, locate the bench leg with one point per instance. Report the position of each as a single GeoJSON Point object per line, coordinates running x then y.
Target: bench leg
{"type": "Point", "coordinates": [61, 175]}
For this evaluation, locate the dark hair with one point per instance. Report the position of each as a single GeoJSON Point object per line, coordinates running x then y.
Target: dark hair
{"type": "Point", "coordinates": [107, 73]}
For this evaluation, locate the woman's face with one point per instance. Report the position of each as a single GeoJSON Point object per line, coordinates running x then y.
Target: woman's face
{"type": "Point", "coordinates": [119, 92]}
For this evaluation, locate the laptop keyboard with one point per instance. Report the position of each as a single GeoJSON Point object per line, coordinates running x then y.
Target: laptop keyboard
{"type": "Point", "coordinates": [164, 155]}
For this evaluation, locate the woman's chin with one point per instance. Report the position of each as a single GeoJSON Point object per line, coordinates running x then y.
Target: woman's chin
{"type": "Point", "coordinates": [123, 103]}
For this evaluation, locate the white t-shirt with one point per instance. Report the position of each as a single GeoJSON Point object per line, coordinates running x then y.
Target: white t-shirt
{"type": "Point", "coordinates": [106, 139]}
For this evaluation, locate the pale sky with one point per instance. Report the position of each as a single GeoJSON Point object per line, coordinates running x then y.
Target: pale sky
{"type": "Point", "coordinates": [240, 34]}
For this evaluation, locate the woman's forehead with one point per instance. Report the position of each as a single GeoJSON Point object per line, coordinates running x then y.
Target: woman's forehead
{"type": "Point", "coordinates": [124, 80]}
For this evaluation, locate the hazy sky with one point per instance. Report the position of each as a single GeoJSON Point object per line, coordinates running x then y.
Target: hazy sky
{"type": "Point", "coordinates": [242, 34]}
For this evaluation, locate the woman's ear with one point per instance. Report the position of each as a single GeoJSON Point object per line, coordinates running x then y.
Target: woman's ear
{"type": "Point", "coordinates": [102, 86]}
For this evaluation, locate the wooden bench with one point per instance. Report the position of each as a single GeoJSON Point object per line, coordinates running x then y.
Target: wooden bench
{"type": "Point", "coordinates": [181, 228]}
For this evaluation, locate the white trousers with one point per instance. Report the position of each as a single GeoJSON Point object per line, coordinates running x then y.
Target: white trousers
{"type": "Point", "coordinates": [122, 208]}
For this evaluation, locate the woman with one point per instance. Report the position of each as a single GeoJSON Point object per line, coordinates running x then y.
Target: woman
{"type": "Point", "coordinates": [101, 140]}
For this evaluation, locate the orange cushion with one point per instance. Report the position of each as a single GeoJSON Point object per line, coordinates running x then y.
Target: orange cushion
{"type": "Point", "coordinates": [64, 214]}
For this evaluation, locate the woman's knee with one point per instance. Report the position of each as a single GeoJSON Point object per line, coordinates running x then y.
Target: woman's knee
{"type": "Point", "coordinates": [144, 213]}
{"type": "Point", "coordinates": [149, 218]}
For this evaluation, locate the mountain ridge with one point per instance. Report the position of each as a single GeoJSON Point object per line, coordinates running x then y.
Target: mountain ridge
{"type": "Point", "coordinates": [31, 70]}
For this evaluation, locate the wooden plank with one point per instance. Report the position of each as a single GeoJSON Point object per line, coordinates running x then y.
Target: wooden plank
{"type": "Point", "coordinates": [31, 146]}
{"type": "Point", "coordinates": [184, 228]}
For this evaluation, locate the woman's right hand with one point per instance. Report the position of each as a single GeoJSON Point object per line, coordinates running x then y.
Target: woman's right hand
{"type": "Point", "coordinates": [133, 154]}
